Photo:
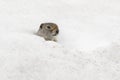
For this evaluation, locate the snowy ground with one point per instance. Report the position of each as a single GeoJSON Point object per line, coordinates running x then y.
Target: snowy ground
{"type": "Point", "coordinates": [88, 46]}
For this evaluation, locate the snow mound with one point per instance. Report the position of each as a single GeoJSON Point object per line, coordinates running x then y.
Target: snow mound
{"type": "Point", "coordinates": [37, 59]}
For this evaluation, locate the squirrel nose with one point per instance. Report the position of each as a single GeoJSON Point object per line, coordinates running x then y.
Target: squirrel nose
{"type": "Point", "coordinates": [57, 31]}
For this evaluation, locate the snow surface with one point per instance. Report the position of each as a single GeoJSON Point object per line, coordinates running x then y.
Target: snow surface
{"type": "Point", "coordinates": [88, 46]}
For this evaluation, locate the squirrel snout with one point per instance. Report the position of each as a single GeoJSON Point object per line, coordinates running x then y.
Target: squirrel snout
{"type": "Point", "coordinates": [55, 32]}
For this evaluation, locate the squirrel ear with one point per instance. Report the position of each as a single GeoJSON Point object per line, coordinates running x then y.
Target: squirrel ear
{"type": "Point", "coordinates": [41, 25]}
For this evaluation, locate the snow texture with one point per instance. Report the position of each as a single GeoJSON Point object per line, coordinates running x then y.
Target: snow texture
{"type": "Point", "coordinates": [88, 46]}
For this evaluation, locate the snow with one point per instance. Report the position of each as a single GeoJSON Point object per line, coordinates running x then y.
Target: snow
{"type": "Point", "coordinates": [88, 46]}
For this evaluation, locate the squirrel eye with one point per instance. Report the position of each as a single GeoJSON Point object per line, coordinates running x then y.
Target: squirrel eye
{"type": "Point", "coordinates": [48, 27]}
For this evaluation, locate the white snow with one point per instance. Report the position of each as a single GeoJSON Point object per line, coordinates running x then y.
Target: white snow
{"type": "Point", "coordinates": [88, 46]}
